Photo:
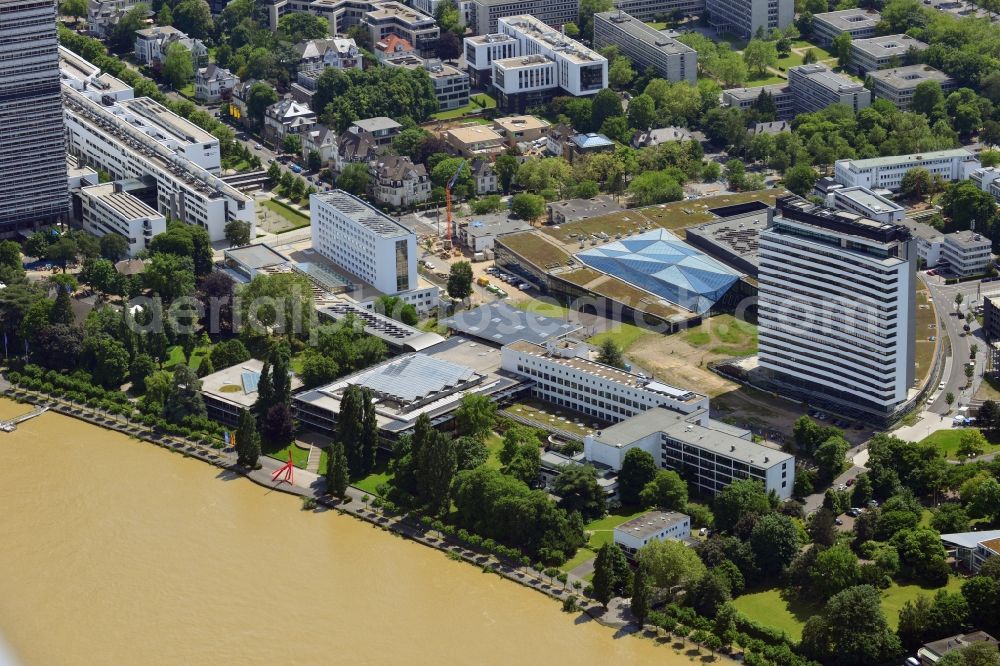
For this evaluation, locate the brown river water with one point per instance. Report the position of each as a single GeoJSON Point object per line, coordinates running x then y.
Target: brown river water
{"type": "Point", "coordinates": [114, 551]}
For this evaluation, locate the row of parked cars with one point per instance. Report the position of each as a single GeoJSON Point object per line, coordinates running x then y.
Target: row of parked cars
{"type": "Point", "coordinates": [508, 278]}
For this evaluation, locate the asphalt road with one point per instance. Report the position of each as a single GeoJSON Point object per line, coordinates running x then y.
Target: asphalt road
{"type": "Point", "coordinates": [953, 327]}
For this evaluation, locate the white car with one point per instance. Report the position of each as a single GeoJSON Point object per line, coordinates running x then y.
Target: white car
{"type": "Point", "coordinates": [941, 386]}
{"type": "Point", "coordinates": [257, 146]}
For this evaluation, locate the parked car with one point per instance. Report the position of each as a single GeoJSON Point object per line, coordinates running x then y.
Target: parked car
{"type": "Point", "coordinates": [257, 146]}
{"type": "Point", "coordinates": [850, 482]}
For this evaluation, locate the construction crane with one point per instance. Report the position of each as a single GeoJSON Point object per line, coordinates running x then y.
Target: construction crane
{"type": "Point", "coordinates": [447, 203]}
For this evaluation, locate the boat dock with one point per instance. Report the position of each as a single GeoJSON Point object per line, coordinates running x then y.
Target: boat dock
{"type": "Point", "coordinates": [11, 425]}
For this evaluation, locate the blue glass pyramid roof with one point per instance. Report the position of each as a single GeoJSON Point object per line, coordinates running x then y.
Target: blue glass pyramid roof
{"type": "Point", "coordinates": [666, 266]}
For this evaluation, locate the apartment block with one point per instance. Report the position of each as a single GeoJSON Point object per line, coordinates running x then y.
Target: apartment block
{"type": "Point", "coordinates": [836, 308]}
{"type": "Point", "coordinates": [709, 455]}
{"type": "Point", "coordinates": [398, 182]}
{"type": "Point", "coordinates": [486, 14]}
{"type": "Point", "coordinates": [746, 17]}
{"type": "Point", "coordinates": [864, 202]}
{"type": "Point", "coordinates": [108, 139]}
{"type": "Point", "coordinates": [744, 99]}
{"type": "Point", "coordinates": [482, 50]}
{"type": "Point", "coordinates": [32, 146]}
{"type": "Point", "coordinates": [875, 53]}
{"type": "Point", "coordinates": [394, 18]}
{"type": "Point", "coordinates": [858, 23]}
{"type": "Point", "coordinates": [563, 374]}
{"type": "Point", "coordinates": [898, 84]}
{"type": "Point", "coordinates": [967, 252]}
{"type": "Point", "coordinates": [107, 209]}
{"type": "Point", "coordinates": [364, 241]}
{"type": "Point", "coordinates": [340, 14]}
{"type": "Point", "coordinates": [647, 47]}
{"type": "Point", "coordinates": [814, 87]}
{"type": "Point", "coordinates": [548, 64]}
{"type": "Point", "coordinates": [653, 10]}
{"type": "Point", "coordinates": [451, 85]}
{"type": "Point", "coordinates": [887, 172]}
{"type": "Point", "coordinates": [988, 180]}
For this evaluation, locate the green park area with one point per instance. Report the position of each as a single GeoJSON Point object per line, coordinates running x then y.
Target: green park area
{"type": "Point", "coordinates": [601, 531]}
{"type": "Point", "coordinates": [724, 335]}
{"type": "Point", "coordinates": [774, 608]}
{"type": "Point", "coordinates": [948, 442]}
{"type": "Point", "coordinates": [291, 218]}
{"type": "Point", "coordinates": [477, 103]}
{"type": "Point", "coordinates": [378, 476]}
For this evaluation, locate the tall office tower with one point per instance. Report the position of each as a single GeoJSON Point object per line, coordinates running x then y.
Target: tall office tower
{"type": "Point", "coordinates": [836, 308]}
{"type": "Point", "coordinates": [746, 17]}
{"type": "Point", "coordinates": [33, 185]}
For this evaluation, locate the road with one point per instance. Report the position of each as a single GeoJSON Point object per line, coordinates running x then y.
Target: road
{"type": "Point", "coordinates": [953, 327]}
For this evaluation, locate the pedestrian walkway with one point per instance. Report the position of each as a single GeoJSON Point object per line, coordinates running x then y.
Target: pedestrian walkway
{"type": "Point", "coordinates": [927, 423]}
{"type": "Point", "coordinates": [312, 463]}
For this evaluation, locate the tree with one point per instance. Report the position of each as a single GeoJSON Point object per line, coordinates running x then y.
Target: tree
{"type": "Point", "coordinates": [738, 500]}
{"type": "Point", "coordinates": [735, 174]}
{"type": "Point", "coordinates": [261, 96]}
{"type": "Point", "coordinates": [830, 457]}
{"type": "Point", "coordinates": [62, 309]}
{"type": "Point", "coordinates": [108, 360]}
{"type": "Point", "coordinates": [470, 452]}
{"type": "Point", "coordinates": [606, 104]}
{"type": "Point", "coordinates": [950, 518]}
{"type": "Point", "coordinates": [237, 232]}
{"type": "Point", "coordinates": [62, 251]}
{"type": "Point", "coordinates": [822, 528]}
{"type": "Point", "coordinates": [178, 66]}
{"type": "Point", "coordinates": [604, 582]}
{"type": "Point", "coordinates": [357, 429]}
{"type": "Point", "coordinates": [354, 178]}
{"type": "Point", "coordinates": [984, 500]}
{"type": "Point", "coordinates": [449, 47]}
{"type": "Point", "coordinates": [611, 354]}
{"type": "Point", "coordinates": [975, 654]}
{"type": "Point", "coordinates": [869, 640]}
{"type": "Point", "coordinates": [528, 207]}
{"type": "Point", "coordinates": [170, 276]}
{"type": "Point", "coordinates": [292, 144]}
{"type": "Point", "coordinates": [525, 464]}
{"type": "Point", "coordinates": [638, 469]}
{"type": "Point", "coordinates": [653, 187]}
{"type": "Point", "coordinates": [194, 18]}
{"type": "Point", "coordinates": [475, 416]}
{"type": "Point", "coordinates": [274, 174]}
{"type": "Point", "coordinates": [834, 570]}
{"type": "Point", "coordinates": [710, 592]}
{"type": "Point", "coordinates": [247, 441]}
{"type": "Point", "coordinates": [318, 369]}
{"type": "Point", "coordinates": [670, 563]}
{"type": "Point", "coordinates": [972, 443]}
{"type": "Point", "coordinates": [775, 543]}
{"type": "Point", "coordinates": [587, 10]}
{"type": "Point", "coordinates": [759, 55]}
{"type": "Point", "coordinates": [277, 426]}
{"type": "Point", "coordinates": [914, 618]}
{"type": "Point", "coordinates": [620, 72]}
{"type": "Point", "coordinates": [75, 8]}
{"type": "Point", "coordinates": [641, 112]}
{"type": "Point", "coordinates": [113, 247]}
{"type": "Point", "coordinates": [579, 491]}
{"type": "Point", "coordinates": [642, 590]}
{"type": "Point", "coordinates": [916, 182]}
{"type": "Point", "coordinates": [298, 26]}
{"type": "Point", "coordinates": [800, 179]}
{"type": "Point", "coordinates": [165, 16]}
{"type": "Point", "coordinates": [436, 464]}
{"type": "Point", "coordinates": [123, 33]}
{"type": "Point", "coordinates": [460, 280]}
{"type": "Point", "coordinates": [842, 48]}
{"type": "Point", "coordinates": [506, 167]}
{"type": "Point", "coordinates": [185, 398]}
{"type": "Point", "coordinates": [921, 555]}
{"type": "Point", "coordinates": [142, 366]}
{"type": "Point", "coordinates": [666, 491]}
{"type": "Point", "coordinates": [337, 471]}
{"type": "Point", "coordinates": [278, 304]}
{"type": "Point", "coordinates": [949, 398]}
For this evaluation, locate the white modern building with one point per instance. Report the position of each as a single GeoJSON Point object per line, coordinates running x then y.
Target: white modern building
{"type": "Point", "coordinates": [563, 374]}
{"type": "Point", "coordinates": [486, 14]}
{"type": "Point", "coordinates": [929, 242]}
{"type": "Point", "coordinates": [482, 50]}
{"type": "Point", "coordinates": [34, 186]}
{"type": "Point", "coordinates": [967, 252]}
{"type": "Point", "coordinates": [394, 18]}
{"type": "Point", "coordinates": [886, 173]}
{"type": "Point", "coordinates": [658, 10]}
{"type": "Point", "coordinates": [708, 454]}
{"type": "Point", "coordinates": [898, 84]}
{"type": "Point", "coordinates": [814, 87]}
{"type": "Point", "coordinates": [858, 23]}
{"type": "Point", "coordinates": [87, 78]}
{"type": "Point", "coordinates": [746, 17]}
{"type": "Point", "coordinates": [866, 203]}
{"type": "Point", "coordinates": [875, 53]}
{"type": "Point", "coordinates": [548, 63]}
{"type": "Point", "coordinates": [151, 45]}
{"type": "Point", "coordinates": [646, 46]}
{"type": "Point", "coordinates": [107, 138]}
{"type": "Point", "coordinates": [836, 308]}
{"type": "Point", "coordinates": [652, 526]}
{"type": "Point", "coordinates": [745, 98]}
{"type": "Point", "coordinates": [106, 209]}
{"type": "Point", "coordinates": [177, 134]}
{"type": "Point", "coordinates": [364, 241]}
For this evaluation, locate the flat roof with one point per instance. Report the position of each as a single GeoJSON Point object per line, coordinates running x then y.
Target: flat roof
{"type": "Point", "coordinates": [967, 238]}
{"type": "Point", "coordinates": [474, 134]}
{"type": "Point", "coordinates": [485, 227]}
{"type": "Point", "coordinates": [396, 334]}
{"type": "Point", "coordinates": [553, 39]}
{"type": "Point", "coordinates": [491, 38]}
{"type": "Point", "coordinates": [865, 197]}
{"type": "Point", "coordinates": [892, 160]}
{"type": "Point", "coordinates": [376, 124]}
{"type": "Point", "coordinates": [849, 19]}
{"type": "Point", "coordinates": [887, 46]}
{"type": "Point", "coordinates": [363, 213]}
{"type": "Point", "coordinates": [520, 123]}
{"type": "Point", "coordinates": [608, 372]}
{"type": "Point", "coordinates": [651, 522]}
{"type": "Point", "coordinates": [754, 92]}
{"type": "Point", "coordinates": [518, 62]}
{"type": "Point", "coordinates": [256, 256]}
{"type": "Point", "coordinates": [970, 539]}
{"type": "Point", "coordinates": [237, 384]}
{"type": "Point", "coordinates": [122, 203]}
{"type": "Point", "coordinates": [644, 33]}
{"type": "Point", "coordinates": [904, 78]}
{"type": "Point", "coordinates": [822, 76]}
{"type": "Point", "coordinates": [399, 11]}
{"type": "Point", "coordinates": [164, 118]}
{"type": "Point", "coordinates": [502, 324]}
{"type": "Point", "coordinates": [578, 209]}
{"type": "Point", "coordinates": [682, 428]}
{"type": "Point", "coordinates": [738, 236]}
{"type": "Point", "coordinates": [921, 230]}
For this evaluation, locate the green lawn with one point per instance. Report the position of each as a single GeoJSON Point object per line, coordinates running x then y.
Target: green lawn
{"type": "Point", "coordinates": [484, 102]}
{"type": "Point", "coordinates": [187, 91]}
{"type": "Point", "coordinates": [791, 60]}
{"type": "Point", "coordinates": [768, 79]}
{"type": "Point", "coordinates": [175, 356]}
{"type": "Point", "coordinates": [724, 335]}
{"type": "Point", "coordinates": [789, 615]}
{"type": "Point", "coordinates": [623, 335]}
{"type": "Point", "coordinates": [603, 529]}
{"type": "Point", "coordinates": [381, 475]}
{"type": "Point", "coordinates": [299, 456]}
{"type": "Point", "coordinates": [493, 444]}
{"type": "Point", "coordinates": [657, 25]}
{"type": "Point", "coordinates": [551, 418]}
{"type": "Point", "coordinates": [821, 53]}
{"type": "Point", "coordinates": [582, 555]}
{"type": "Point", "coordinates": [294, 217]}
{"type": "Point", "coordinates": [947, 441]}
{"type": "Point", "coordinates": [544, 308]}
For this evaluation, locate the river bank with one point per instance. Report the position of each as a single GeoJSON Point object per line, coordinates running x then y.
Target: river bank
{"type": "Point", "coordinates": [307, 487]}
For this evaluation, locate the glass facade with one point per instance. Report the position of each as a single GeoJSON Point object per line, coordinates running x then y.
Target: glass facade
{"type": "Point", "coordinates": [402, 266]}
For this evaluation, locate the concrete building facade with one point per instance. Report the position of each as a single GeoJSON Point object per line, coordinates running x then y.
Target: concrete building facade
{"type": "Point", "coordinates": [106, 209]}
{"type": "Point", "coordinates": [746, 17]}
{"type": "Point", "coordinates": [487, 13]}
{"type": "Point", "coordinates": [858, 23]}
{"type": "Point", "coordinates": [887, 172]}
{"type": "Point", "coordinates": [814, 87]}
{"type": "Point", "coordinates": [646, 46]}
{"type": "Point", "coordinates": [875, 53]}
{"type": "Point", "coordinates": [898, 84]}
{"type": "Point", "coordinates": [867, 204]}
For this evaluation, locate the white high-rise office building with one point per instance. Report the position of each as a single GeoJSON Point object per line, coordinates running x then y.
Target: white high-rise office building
{"type": "Point", "coordinates": [746, 18]}
{"type": "Point", "coordinates": [836, 307]}
{"type": "Point", "coordinates": [33, 185]}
